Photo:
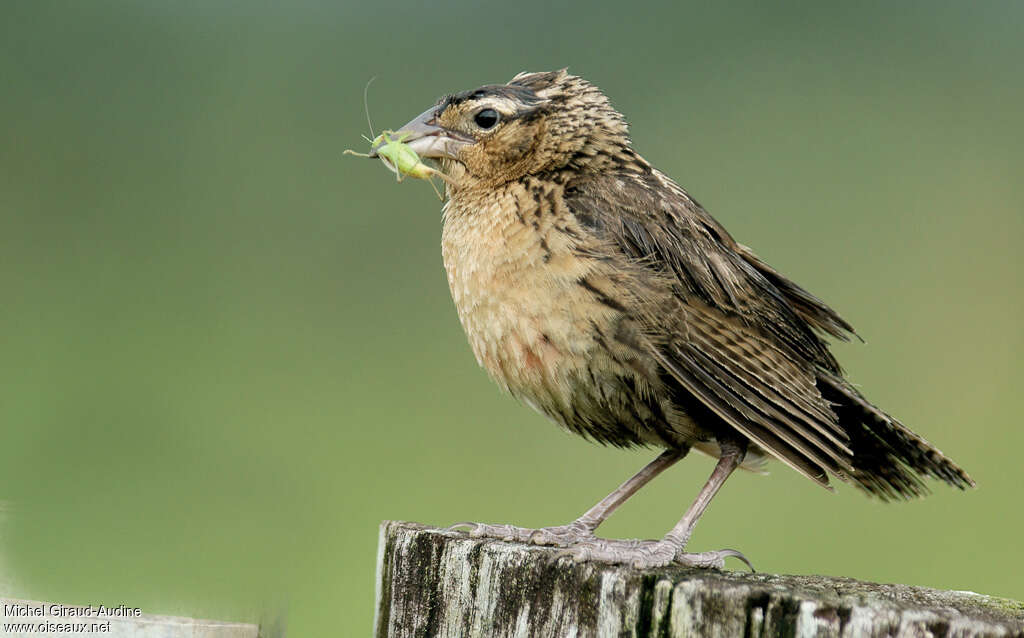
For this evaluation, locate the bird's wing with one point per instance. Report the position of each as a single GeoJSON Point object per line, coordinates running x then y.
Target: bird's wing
{"type": "Point", "coordinates": [731, 336]}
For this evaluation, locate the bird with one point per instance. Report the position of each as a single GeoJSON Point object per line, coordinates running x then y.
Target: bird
{"type": "Point", "coordinates": [595, 289]}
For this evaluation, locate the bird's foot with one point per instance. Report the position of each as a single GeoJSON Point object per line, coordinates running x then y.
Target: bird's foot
{"type": "Point", "coordinates": [563, 535]}
{"type": "Point", "coordinates": [558, 536]}
{"type": "Point", "coordinates": [644, 554]}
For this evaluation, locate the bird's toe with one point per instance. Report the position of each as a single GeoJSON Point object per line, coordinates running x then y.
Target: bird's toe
{"type": "Point", "coordinates": [508, 533]}
{"type": "Point", "coordinates": [561, 535]}
{"type": "Point", "coordinates": [714, 559]}
{"type": "Point", "coordinates": [641, 554]}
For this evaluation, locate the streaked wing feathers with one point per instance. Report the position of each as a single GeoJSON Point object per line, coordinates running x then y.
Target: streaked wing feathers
{"type": "Point", "coordinates": [734, 340]}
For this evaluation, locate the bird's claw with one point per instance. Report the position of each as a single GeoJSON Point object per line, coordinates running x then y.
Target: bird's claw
{"type": "Point", "coordinates": [725, 553]}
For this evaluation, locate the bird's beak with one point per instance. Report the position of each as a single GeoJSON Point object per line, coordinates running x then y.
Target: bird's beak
{"type": "Point", "coordinates": [428, 138]}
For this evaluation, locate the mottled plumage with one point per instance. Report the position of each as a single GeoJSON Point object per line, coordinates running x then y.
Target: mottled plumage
{"type": "Point", "coordinates": [594, 288]}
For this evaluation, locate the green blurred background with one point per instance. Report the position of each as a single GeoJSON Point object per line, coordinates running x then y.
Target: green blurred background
{"type": "Point", "coordinates": [231, 352]}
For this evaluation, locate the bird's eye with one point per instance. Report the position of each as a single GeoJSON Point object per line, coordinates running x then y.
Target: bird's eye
{"type": "Point", "coordinates": [486, 118]}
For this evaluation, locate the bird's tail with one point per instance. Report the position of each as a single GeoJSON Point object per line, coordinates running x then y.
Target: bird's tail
{"type": "Point", "coordinates": [889, 460]}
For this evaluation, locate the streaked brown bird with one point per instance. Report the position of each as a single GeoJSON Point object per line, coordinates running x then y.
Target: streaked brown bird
{"type": "Point", "coordinates": [595, 289]}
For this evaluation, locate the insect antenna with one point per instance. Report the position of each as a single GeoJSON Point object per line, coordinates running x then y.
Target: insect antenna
{"type": "Point", "coordinates": [366, 105]}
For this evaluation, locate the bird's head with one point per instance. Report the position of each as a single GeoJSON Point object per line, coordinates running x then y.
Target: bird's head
{"type": "Point", "coordinates": [501, 132]}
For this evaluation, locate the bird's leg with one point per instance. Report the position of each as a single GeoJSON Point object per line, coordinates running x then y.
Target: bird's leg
{"type": "Point", "coordinates": [583, 527]}
{"type": "Point", "coordinates": [644, 554]}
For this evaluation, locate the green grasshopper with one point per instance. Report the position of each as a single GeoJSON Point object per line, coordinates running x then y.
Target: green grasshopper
{"type": "Point", "coordinates": [398, 156]}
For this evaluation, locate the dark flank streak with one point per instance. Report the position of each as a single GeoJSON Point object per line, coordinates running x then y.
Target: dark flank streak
{"type": "Point", "coordinates": [519, 213]}
{"type": "Point", "coordinates": [600, 296]}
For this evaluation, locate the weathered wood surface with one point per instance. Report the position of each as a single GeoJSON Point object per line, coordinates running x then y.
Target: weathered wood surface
{"type": "Point", "coordinates": [432, 582]}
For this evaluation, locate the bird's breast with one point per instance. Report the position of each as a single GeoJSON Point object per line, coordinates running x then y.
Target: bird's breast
{"type": "Point", "coordinates": [552, 322]}
{"type": "Point", "coordinates": [514, 275]}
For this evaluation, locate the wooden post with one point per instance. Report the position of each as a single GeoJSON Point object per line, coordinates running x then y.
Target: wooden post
{"type": "Point", "coordinates": [431, 582]}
